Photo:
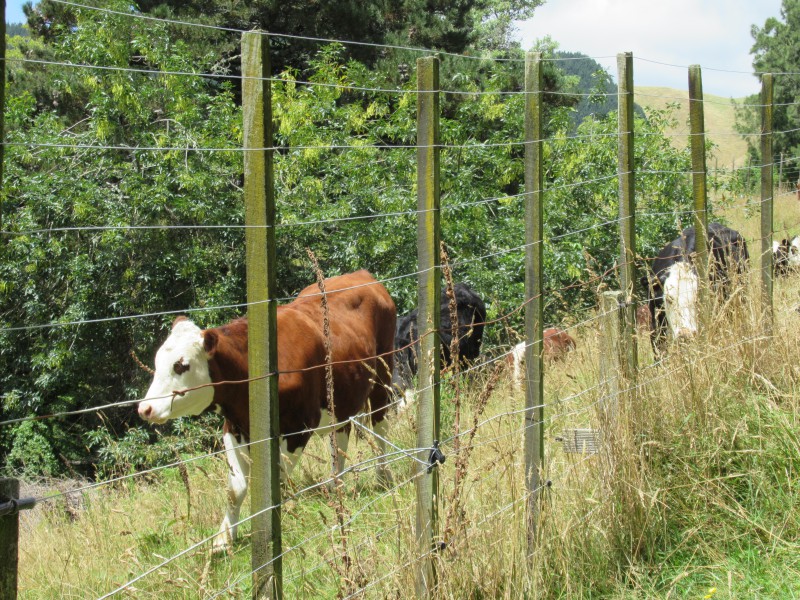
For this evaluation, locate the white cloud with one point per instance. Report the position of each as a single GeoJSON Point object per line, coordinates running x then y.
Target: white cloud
{"type": "Point", "coordinates": [712, 33]}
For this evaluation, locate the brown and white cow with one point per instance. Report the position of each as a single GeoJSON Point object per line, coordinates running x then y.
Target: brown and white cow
{"type": "Point", "coordinates": [555, 345]}
{"type": "Point", "coordinates": [362, 323]}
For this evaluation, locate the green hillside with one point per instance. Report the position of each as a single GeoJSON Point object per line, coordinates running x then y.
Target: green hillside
{"type": "Point", "coordinates": [719, 118]}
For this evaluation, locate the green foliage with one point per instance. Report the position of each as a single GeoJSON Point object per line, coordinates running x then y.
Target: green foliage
{"type": "Point", "coordinates": [68, 180]}
{"type": "Point", "coordinates": [464, 26]}
{"type": "Point", "coordinates": [16, 29]}
{"type": "Point", "coordinates": [33, 450]}
{"type": "Point", "coordinates": [776, 48]}
{"type": "Point", "coordinates": [143, 448]}
{"type": "Point", "coordinates": [104, 228]}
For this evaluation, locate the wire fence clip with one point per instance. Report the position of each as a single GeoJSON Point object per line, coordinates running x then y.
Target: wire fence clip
{"type": "Point", "coordinates": [13, 506]}
{"type": "Point", "coordinates": [436, 457]}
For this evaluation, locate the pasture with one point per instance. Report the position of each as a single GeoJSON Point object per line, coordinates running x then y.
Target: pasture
{"type": "Point", "coordinates": [719, 113]}
{"type": "Point", "coordinates": [695, 492]}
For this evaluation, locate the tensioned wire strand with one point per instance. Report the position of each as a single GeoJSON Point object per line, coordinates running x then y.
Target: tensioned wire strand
{"type": "Point", "coordinates": [426, 51]}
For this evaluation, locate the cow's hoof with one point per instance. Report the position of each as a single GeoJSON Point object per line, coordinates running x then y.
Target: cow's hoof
{"type": "Point", "coordinates": [222, 544]}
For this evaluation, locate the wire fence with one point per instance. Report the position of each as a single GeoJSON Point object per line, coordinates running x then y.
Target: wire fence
{"type": "Point", "coordinates": [583, 406]}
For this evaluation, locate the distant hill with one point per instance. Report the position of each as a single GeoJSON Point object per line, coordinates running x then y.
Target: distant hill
{"type": "Point", "coordinates": [718, 111]}
{"type": "Point", "coordinates": [17, 29]}
{"type": "Point", "coordinates": [718, 115]}
{"type": "Point", "coordinates": [585, 68]}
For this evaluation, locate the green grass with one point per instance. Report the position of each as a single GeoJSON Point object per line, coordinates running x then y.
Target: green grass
{"type": "Point", "coordinates": [697, 488]}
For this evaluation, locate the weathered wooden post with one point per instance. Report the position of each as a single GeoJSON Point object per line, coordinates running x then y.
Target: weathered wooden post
{"type": "Point", "coordinates": [613, 353]}
{"type": "Point", "coordinates": [767, 194]}
{"type": "Point", "coordinates": [627, 212]}
{"type": "Point", "coordinates": [9, 488]}
{"type": "Point", "coordinates": [429, 287]}
{"type": "Point", "coordinates": [9, 540]}
{"type": "Point", "coordinates": [534, 274]}
{"type": "Point", "coordinates": [700, 221]}
{"type": "Point", "coordinates": [262, 317]}
{"type": "Point", "coordinates": [2, 103]}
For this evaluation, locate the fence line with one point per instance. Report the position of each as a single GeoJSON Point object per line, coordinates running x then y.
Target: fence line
{"type": "Point", "coordinates": [408, 453]}
{"type": "Point", "coordinates": [502, 317]}
{"type": "Point", "coordinates": [398, 350]}
{"type": "Point", "coordinates": [401, 454]}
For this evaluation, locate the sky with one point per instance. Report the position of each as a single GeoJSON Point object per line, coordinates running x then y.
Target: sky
{"type": "Point", "coordinates": [714, 34]}
{"type": "Point", "coordinates": [14, 11]}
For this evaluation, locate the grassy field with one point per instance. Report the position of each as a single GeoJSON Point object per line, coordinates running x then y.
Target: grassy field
{"type": "Point", "coordinates": [695, 493]}
{"type": "Point", "coordinates": [718, 113]}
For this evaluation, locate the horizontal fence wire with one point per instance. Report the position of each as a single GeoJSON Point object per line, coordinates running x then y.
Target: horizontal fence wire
{"type": "Point", "coordinates": [338, 527]}
{"type": "Point", "coordinates": [424, 51]}
{"type": "Point", "coordinates": [456, 263]}
{"type": "Point", "coordinates": [291, 497]}
{"type": "Point", "coordinates": [399, 454]}
{"type": "Point", "coordinates": [586, 456]}
{"type": "Point", "coordinates": [568, 414]}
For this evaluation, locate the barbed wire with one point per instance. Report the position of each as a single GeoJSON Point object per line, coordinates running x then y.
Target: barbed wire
{"type": "Point", "coordinates": [400, 454]}
{"type": "Point", "coordinates": [663, 375]}
{"type": "Point", "coordinates": [463, 261]}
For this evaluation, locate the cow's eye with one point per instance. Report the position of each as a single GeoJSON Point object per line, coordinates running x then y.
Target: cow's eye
{"type": "Point", "coordinates": [179, 367]}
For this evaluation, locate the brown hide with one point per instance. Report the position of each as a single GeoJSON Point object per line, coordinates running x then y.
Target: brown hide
{"type": "Point", "coordinates": [643, 319]}
{"type": "Point", "coordinates": [557, 342]}
{"type": "Point", "coordinates": [362, 321]}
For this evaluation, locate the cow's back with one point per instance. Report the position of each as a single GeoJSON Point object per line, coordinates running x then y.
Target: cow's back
{"type": "Point", "coordinates": [356, 302]}
{"type": "Point", "coordinates": [362, 320]}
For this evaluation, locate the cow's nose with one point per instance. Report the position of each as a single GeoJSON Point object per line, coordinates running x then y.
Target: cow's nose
{"type": "Point", "coordinates": [145, 410]}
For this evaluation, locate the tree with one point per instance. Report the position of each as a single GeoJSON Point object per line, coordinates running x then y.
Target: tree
{"type": "Point", "coordinates": [457, 27]}
{"type": "Point", "coordinates": [776, 49]}
{"type": "Point", "coordinates": [103, 229]}
{"type": "Point", "coordinates": [64, 175]}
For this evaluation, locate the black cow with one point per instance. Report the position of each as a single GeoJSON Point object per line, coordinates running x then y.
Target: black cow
{"type": "Point", "coordinates": [780, 257]}
{"type": "Point", "coordinates": [471, 315]}
{"type": "Point", "coordinates": [786, 255]}
{"type": "Point", "coordinates": [672, 284]}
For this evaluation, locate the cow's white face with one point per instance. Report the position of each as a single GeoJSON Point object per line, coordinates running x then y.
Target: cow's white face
{"type": "Point", "coordinates": [181, 363]}
{"type": "Point", "coordinates": [794, 253]}
{"type": "Point", "coordinates": [680, 299]}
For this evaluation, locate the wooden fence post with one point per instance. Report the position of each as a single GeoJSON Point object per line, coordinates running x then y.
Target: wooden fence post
{"type": "Point", "coordinates": [612, 352]}
{"type": "Point", "coordinates": [9, 541]}
{"type": "Point", "coordinates": [2, 103]}
{"type": "Point", "coordinates": [9, 488]}
{"type": "Point", "coordinates": [534, 221]}
{"type": "Point", "coordinates": [262, 317]}
{"type": "Point", "coordinates": [627, 211]}
{"type": "Point", "coordinates": [429, 288]}
{"type": "Point", "coordinates": [700, 220]}
{"type": "Point", "coordinates": [767, 194]}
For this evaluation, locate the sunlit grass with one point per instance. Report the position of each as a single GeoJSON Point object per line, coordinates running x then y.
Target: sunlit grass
{"type": "Point", "coordinates": [696, 488]}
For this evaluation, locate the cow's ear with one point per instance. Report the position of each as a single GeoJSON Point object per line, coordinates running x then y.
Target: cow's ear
{"type": "Point", "coordinates": [178, 319]}
{"type": "Point", "coordinates": [210, 339]}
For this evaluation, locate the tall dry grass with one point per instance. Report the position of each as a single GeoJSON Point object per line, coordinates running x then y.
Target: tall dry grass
{"type": "Point", "coordinates": [695, 488]}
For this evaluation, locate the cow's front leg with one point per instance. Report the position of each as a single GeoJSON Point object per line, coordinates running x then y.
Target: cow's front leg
{"type": "Point", "coordinates": [238, 455]}
{"type": "Point", "coordinates": [289, 458]}
{"type": "Point", "coordinates": [383, 473]}
{"type": "Point", "coordinates": [338, 448]}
